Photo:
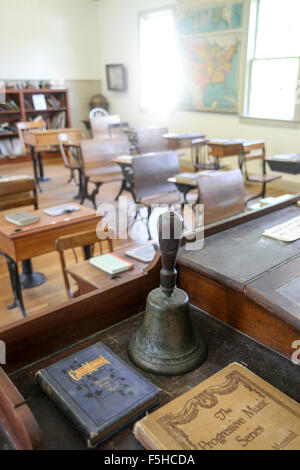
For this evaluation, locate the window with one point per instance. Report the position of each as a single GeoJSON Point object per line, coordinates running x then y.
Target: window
{"type": "Point", "coordinates": [273, 65]}
{"type": "Point", "coordinates": [158, 61]}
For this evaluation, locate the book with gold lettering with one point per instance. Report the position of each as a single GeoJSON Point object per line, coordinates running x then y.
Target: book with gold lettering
{"type": "Point", "coordinates": [232, 410]}
{"type": "Point", "coordinates": [99, 392]}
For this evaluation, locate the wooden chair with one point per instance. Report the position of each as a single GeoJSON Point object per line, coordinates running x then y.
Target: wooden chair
{"type": "Point", "coordinates": [97, 156]}
{"type": "Point", "coordinates": [71, 155]}
{"type": "Point", "coordinates": [84, 240]}
{"type": "Point", "coordinates": [252, 152]}
{"type": "Point", "coordinates": [106, 126]}
{"type": "Point", "coordinates": [222, 194]}
{"type": "Point", "coordinates": [150, 139]}
{"type": "Point", "coordinates": [150, 174]}
{"type": "Point", "coordinates": [18, 192]}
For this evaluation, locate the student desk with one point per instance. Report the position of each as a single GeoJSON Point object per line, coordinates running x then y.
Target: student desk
{"type": "Point", "coordinates": [24, 243]}
{"type": "Point", "coordinates": [180, 141]}
{"type": "Point", "coordinates": [221, 286]}
{"type": "Point", "coordinates": [42, 138]}
{"type": "Point", "coordinates": [285, 163]}
{"type": "Point", "coordinates": [90, 278]}
{"type": "Point", "coordinates": [222, 148]}
{"type": "Point", "coordinates": [189, 184]}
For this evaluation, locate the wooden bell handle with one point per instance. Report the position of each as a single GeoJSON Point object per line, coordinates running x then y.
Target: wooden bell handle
{"type": "Point", "coordinates": [170, 228]}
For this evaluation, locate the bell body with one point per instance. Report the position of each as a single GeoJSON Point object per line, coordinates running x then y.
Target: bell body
{"type": "Point", "coordinates": [166, 343]}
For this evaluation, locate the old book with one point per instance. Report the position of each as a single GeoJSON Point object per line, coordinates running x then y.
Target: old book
{"type": "Point", "coordinates": [232, 410]}
{"type": "Point", "coordinates": [97, 391]}
{"type": "Point", "coordinates": [111, 263]}
{"type": "Point", "coordinates": [22, 218]}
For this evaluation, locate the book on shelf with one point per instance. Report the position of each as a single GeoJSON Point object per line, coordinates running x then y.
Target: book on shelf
{"type": "Point", "coordinates": [111, 263]}
{"type": "Point", "coordinates": [97, 391]}
{"type": "Point", "coordinates": [22, 218]}
{"type": "Point", "coordinates": [232, 410]}
{"type": "Point", "coordinates": [39, 102]}
{"type": "Point", "coordinates": [62, 209]}
{"type": "Point", "coordinates": [58, 121]}
{"type": "Point", "coordinates": [53, 102]}
{"type": "Point", "coordinates": [28, 104]}
{"type": "Point", "coordinates": [144, 253]}
{"type": "Point", "coordinates": [10, 105]}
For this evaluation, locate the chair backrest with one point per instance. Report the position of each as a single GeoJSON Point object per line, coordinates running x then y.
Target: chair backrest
{"type": "Point", "coordinates": [27, 126]}
{"type": "Point", "coordinates": [100, 125]}
{"type": "Point", "coordinates": [79, 240]}
{"type": "Point", "coordinates": [151, 173]}
{"type": "Point", "coordinates": [98, 153]}
{"type": "Point", "coordinates": [18, 192]}
{"type": "Point", "coordinates": [150, 139]}
{"type": "Point", "coordinates": [222, 194]}
{"type": "Point", "coordinates": [254, 150]}
{"type": "Point", "coordinates": [65, 151]}
{"type": "Point", "coordinates": [97, 112]}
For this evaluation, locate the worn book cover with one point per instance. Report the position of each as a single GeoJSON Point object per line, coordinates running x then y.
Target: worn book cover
{"type": "Point", "coordinates": [97, 391]}
{"type": "Point", "coordinates": [232, 410]}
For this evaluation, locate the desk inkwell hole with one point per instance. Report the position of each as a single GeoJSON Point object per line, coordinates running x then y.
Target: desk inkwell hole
{"type": "Point", "coordinates": [167, 342]}
{"type": "Point", "coordinates": [116, 278]}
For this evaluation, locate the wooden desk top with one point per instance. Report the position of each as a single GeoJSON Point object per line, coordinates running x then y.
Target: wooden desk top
{"type": "Point", "coordinates": [280, 290]}
{"type": "Point", "coordinates": [40, 138]}
{"type": "Point", "coordinates": [229, 147]}
{"type": "Point", "coordinates": [240, 254]}
{"type": "Point", "coordinates": [39, 238]}
{"type": "Point", "coordinates": [15, 178]}
{"type": "Point", "coordinates": [123, 160]}
{"type": "Point", "coordinates": [89, 277]}
{"type": "Point", "coordinates": [191, 181]}
{"type": "Point", "coordinates": [183, 140]}
{"type": "Point", "coordinates": [285, 163]}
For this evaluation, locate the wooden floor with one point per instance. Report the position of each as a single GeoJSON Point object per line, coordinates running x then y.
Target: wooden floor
{"type": "Point", "coordinates": [57, 191]}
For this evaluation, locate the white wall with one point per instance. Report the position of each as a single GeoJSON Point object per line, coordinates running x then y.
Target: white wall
{"type": "Point", "coordinates": [119, 42]}
{"type": "Point", "coordinates": [49, 39]}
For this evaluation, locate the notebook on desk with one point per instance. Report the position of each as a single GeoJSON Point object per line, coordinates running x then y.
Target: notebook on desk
{"type": "Point", "coordinates": [60, 210]}
{"type": "Point", "coordinates": [145, 253]}
{"type": "Point", "coordinates": [111, 263]}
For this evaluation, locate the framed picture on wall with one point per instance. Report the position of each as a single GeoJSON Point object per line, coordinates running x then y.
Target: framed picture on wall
{"type": "Point", "coordinates": [116, 77]}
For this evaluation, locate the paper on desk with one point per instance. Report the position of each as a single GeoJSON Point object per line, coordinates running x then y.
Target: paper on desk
{"type": "Point", "coordinates": [287, 232]}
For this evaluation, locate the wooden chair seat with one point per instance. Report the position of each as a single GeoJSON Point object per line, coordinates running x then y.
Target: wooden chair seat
{"type": "Point", "coordinates": [263, 178]}
{"type": "Point", "coordinates": [171, 198]}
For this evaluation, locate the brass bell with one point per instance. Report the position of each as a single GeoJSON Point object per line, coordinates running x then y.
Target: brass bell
{"type": "Point", "coordinates": [166, 343]}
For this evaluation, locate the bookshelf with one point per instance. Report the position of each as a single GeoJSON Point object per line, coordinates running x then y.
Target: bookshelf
{"type": "Point", "coordinates": [19, 106]}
